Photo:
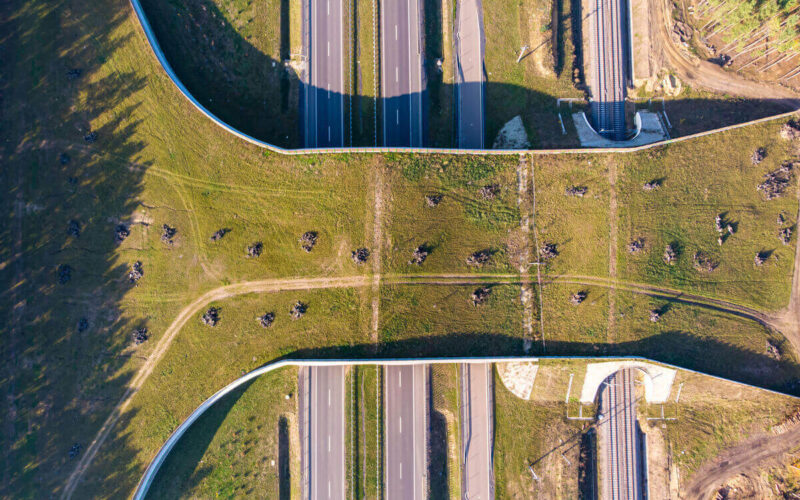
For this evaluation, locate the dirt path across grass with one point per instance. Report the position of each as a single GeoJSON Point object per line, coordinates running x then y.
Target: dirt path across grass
{"type": "Point", "coordinates": [280, 285]}
{"type": "Point", "coordinates": [746, 457]}
{"type": "Point", "coordinates": [665, 54]}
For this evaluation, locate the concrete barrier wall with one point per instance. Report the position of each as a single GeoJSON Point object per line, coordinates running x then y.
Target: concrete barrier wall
{"type": "Point", "coordinates": [152, 470]}
{"type": "Point", "coordinates": [162, 59]}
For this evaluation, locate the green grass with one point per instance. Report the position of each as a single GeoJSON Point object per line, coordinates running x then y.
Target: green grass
{"type": "Point", "coordinates": [462, 223]}
{"type": "Point", "coordinates": [370, 432]}
{"type": "Point", "coordinates": [700, 180]}
{"type": "Point", "coordinates": [578, 226]}
{"type": "Point", "coordinates": [233, 450]}
{"type": "Point", "coordinates": [441, 321]}
{"type": "Point", "coordinates": [445, 451]}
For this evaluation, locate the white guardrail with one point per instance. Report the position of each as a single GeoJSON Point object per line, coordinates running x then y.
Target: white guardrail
{"type": "Point", "coordinates": [152, 469]}
{"type": "Point", "coordinates": [162, 59]}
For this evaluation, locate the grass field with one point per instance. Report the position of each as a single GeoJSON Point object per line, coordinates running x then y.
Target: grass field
{"type": "Point", "coordinates": [154, 160]}
{"type": "Point", "coordinates": [247, 445]}
{"type": "Point", "coordinates": [444, 474]}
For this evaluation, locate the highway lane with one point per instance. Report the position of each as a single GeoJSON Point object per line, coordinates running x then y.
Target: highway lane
{"type": "Point", "coordinates": [322, 398]}
{"type": "Point", "coordinates": [402, 77]}
{"type": "Point", "coordinates": [477, 431]}
{"type": "Point", "coordinates": [609, 66]}
{"type": "Point", "coordinates": [324, 94]}
{"type": "Point", "coordinates": [620, 438]}
{"type": "Point", "coordinates": [406, 432]}
{"type": "Point", "coordinates": [470, 74]}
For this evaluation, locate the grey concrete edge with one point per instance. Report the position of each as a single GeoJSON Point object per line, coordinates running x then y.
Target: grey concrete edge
{"type": "Point", "coordinates": [162, 59]}
{"type": "Point", "coordinates": [152, 470]}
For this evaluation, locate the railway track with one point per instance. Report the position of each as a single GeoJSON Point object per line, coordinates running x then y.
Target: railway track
{"type": "Point", "coordinates": [609, 48]}
{"type": "Point", "coordinates": [623, 475]}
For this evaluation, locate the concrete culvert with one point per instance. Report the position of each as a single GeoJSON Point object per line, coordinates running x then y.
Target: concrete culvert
{"type": "Point", "coordinates": [433, 199]}
{"type": "Point", "coordinates": [121, 232]}
{"type": "Point", "coordinates": [776, 182]}
{"type": "Point", "coordinates": [168, 234]}
{"type": "Point", "coordinates": [758, 156]}
{"type": "Point", "coordinates": [489, 191]}
{"type": "Point", "coordinates": [360, 255]}
{"type": "Point", "coordinates": [577, 298]}
{"type": "Point", "coordinates": [308, 240]}
{"type": "Point", "coordinates": [636, 246]}
{"type": "Point", "coordinates": [579, 191]}
{"type": "Point", "coordinates": [219, 234]}
{"type": "Point", "coordinates": [481, 295]}
{"type": "Point", "coordinates": [419, 255]}
{"type": "Point", "coordinates": [210, 317]}
{"type": "Point", "coordinates": [255, 249]}
{"type": "Point", "coordinates": [298, 310]}
{"type": "Point", "coordinates": [136, 273]}
{"type": "Point", "coordinates": [140, 336]}
{"type": "Point", "coordinates": [64, 272]}
{"type": "Point", "coordinates": [74, 228]}
{"type": "Point", "coordinates": [266, 319]}
{"type": "Point", "coordinates": [548, 251]}
{"type": "Point", "coordinates": [480, 258]}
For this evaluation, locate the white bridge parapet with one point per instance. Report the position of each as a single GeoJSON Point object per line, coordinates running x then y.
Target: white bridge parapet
{"type": "Point", "coordinates": [657, 379]}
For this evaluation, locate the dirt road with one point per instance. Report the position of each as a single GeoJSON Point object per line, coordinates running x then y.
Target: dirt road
{"type": "Point", "coordinates": [698, 73]}
{"type": "Point", "coordinates": [748, 456]}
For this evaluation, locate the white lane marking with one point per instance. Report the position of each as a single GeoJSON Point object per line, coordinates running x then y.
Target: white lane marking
{"type": "Point", "coordinates": [329, 49]}
{"type": "Point", "coordinates": [329, 391]}
{"type": "Point", "coordinates": [329, 140]}
{"type": "Point", "coordinates": [329, 489]}
{"type": "Point", "coordinates": [329, 443]}
{"type": "Point", "coordinates": [400, 379]}
{"type": "Point", "coordinates": [398, 117]}
{"type": "Point", "coordinates": [401, 470]}
{"type": "Point", "coordinates": [396, 74]}
{"type": "Point", "coordinates": [329, 7]}
{"type": "Point", "coordinates": [401, 424]}
{"type": "Point", "coordinates": [395, 32]}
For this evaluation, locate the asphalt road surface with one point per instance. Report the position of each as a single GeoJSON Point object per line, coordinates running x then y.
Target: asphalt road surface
{"type": "Point", "coordinates": [620, 438]}
{"type": "Point", "coordinates": [325, 424]}
{"type": "Point", "coordinates": [477, 430]}
{"type": "Point", "coordinates": [402, 79]}
{"type": "Point", "coordinates": [469, 74]}
{"type": "Point", "coordinates": [324, 106]}
{"type": "Point", "coordinates": [609, 66]}
{"type": "Point", "coordinates": [406, 433]}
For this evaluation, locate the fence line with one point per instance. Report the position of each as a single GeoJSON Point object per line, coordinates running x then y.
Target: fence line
{"type": "Point", "coordinates": [162, 59]}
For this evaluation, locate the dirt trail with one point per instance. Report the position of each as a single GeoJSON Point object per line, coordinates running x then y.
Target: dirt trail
{"type": "Point", "coordinates": [699, 73]}
{"type": "Point", "coordinates": [171, 332]}
{"type": "Point", "coordinates": [377, 244]}
{"type": "Point", "coordinates": [279, 285]}
{"type": "Point", "coordinates": [749, 456]}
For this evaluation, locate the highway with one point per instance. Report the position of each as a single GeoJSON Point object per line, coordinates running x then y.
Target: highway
{"type": "Point", "coordinates": [323, 120]}
{"type": "Point", "coordinates": [406, 432]}
{"type": "Point", "coordinates": [470, 74]}
{"type": "Point", "coordinates": [609, 70]}
{"type": "Point", "coordinates": [402, 76]}
{"type": "Point", "coordinates": [322, 401]}
{"type": "Point", "coordinates": [620, 438]}
{"type": "Point", "coordinates": [477, 431]}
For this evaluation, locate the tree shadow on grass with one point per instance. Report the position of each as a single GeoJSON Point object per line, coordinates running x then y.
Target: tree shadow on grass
{"type": "Point", "coordinates": [256, 94]}
{"type": "Point", "coordinates": [65, 185]}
